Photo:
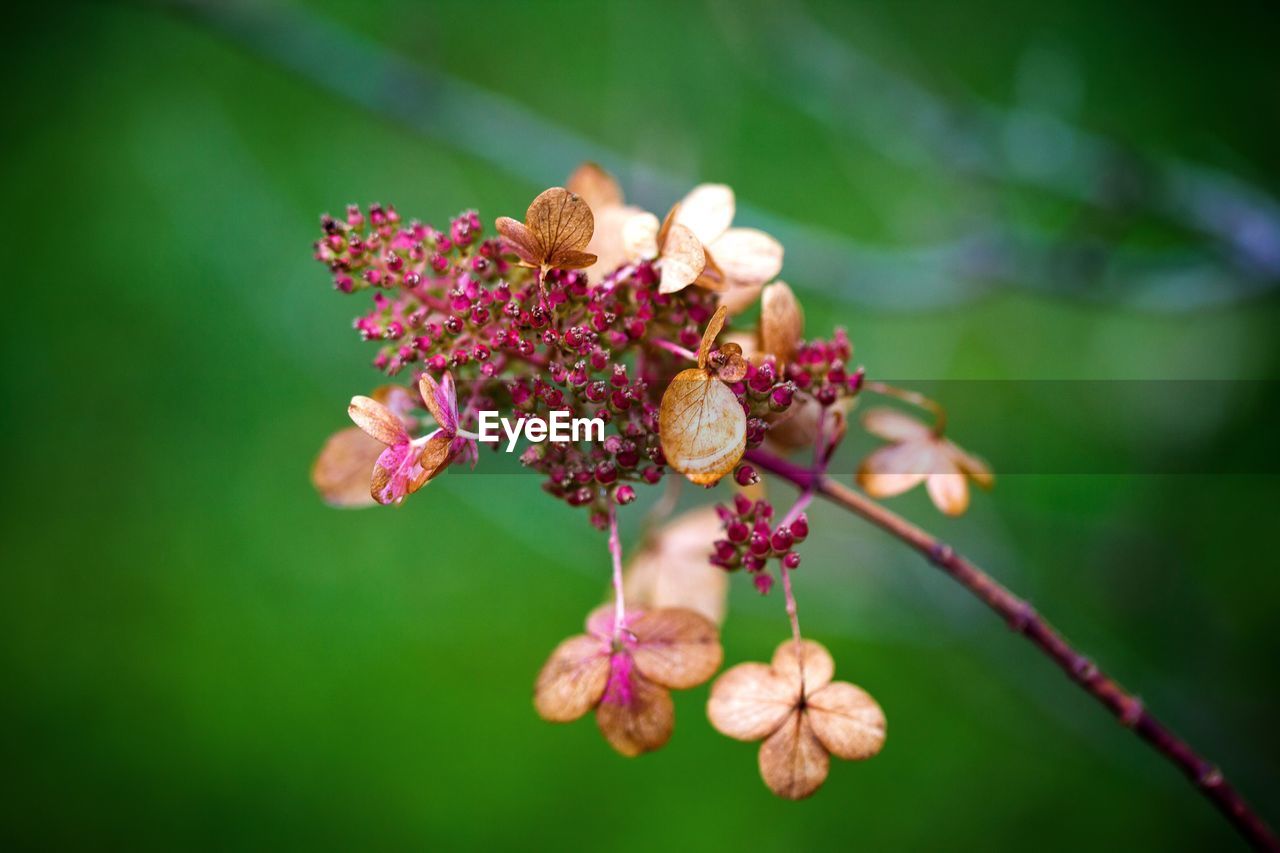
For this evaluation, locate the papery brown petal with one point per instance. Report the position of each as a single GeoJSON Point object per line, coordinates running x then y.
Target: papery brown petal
{"type": "Point", "coordinates": [597, 187]}
{"type": "Point", "coordinates": [707, 211]}
{"type": "Point", "coordinates": [434, 459]}
{"type": "Point", "coordinates": [750, 701]}
{"type": "Point", "coordinates": [682, 260]}
{"type": "Point", "coordinates": [640, 237]}
{"type": "Point", "coordinates": [702, 426]}
{"type": "Point", "coordinates": [377, 420]}
{"type": "Point", "coordinates": [976, 468]}
{"type": "Point", "coordinates": [571, 259]}
{"type": "Point", "coordinates": [676, 648]}
{"type": "Point", "coordinates": [949, 492]}
{"type": "Point", "coordinates": [747, 256]}
{"type": "Point", "coordinates": [572, 680]}
{"type": "Point", "coordinates": [607, 243]}
{"type": "Point", "coordinates": [846, 720]}
{"type": "Point", "coordinates": [797, 427]}
{"type": "Point", "coordinates": [793, 762]}
{"type": "Point", "coordinates": [563, 224]}
{"type": "Point", "coordinates": [893, 469]}
{"type": "Point", "coordinates": [671, 568]}
{"type": "Point", "coordinates": [521, 240]}
{"type": "Point", "coordinates": [430, 392]}
{"type": "Point", "coordinates": [812, 666]}
{"type": "Point", "coordinates": [781, 321]}
{"type": "Point", "coordinates": [739, 298]}
{"type": "Point", "coordinates": [342, 470]}
{"type": "Point", "coordinates": [643, 725]}
{"type": "Point", "coordinates": [709, 335]}
{"type": "Point", "coordinates": [894, 425]}
{"type": "Point", "coordinates": [379, 480]}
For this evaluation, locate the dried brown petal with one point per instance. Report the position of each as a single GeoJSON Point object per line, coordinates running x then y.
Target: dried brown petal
{"type": "Point", "coordinates": [894, 425]}
{"type": "Point", "coordinates": [676, 648]}
{"type": "Point", "coordinates": [563, 224]}
{"type": "Point", "coordinates": [781, 321]}
{"type": "Point", "coordinates": [792, 761]}
{"type": "Point", "coordinates": [812, 667]}
{"type": "Point", "coordinates": [342, 470]}
{"type": "Point", "coordinates": [747, 256]}
{"type": "Point", "coordinates": [750, 701]}
{"type": "Point", "coordinates": [682, 260]}
{"type": "Point", "coordinates": [377, 420]}
{"type": "Point", "coordinates": [846, 720]}
{"type": "Point", "coordinates": [572, 680]}
{"type": "Point", "coordinates": [434, 459]}
{"type": "Point", "coordinates": [430, 392]}
{"type": "Point", "coordinates": [893, 469]}
{"type": "Point", "coordinates": [667, 222]}
{"type": "Point", "coordinates": [522, 241]}
{"type": "Point", "coordinates": [709, 335]}
{"type": "Point", "coordinates": [642, 725]}
{"type": "Point", "coordinates": [671, 568]}
{"type": "Point", "coordinates": [597, 187]}
{"type": "Point", "coordinates": [640, 237]}
{"type": "Point", "coordinates": [707, 211]}
{"type": "Point", "coordinates": [976, 468]}
{"type": "Point", "coordinates": [949, 492]}
{"type": "Point", "coordinates": [702, 426]}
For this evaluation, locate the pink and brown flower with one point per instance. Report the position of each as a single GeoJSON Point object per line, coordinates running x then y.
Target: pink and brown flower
{"type": "Point", "coordinates": [800, 714]}
{"type": "Point", "coordinates": [626, 675]}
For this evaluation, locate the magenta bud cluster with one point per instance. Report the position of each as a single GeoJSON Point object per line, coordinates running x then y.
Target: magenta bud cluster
{"type": "Point", "coordinates": [752, 538]}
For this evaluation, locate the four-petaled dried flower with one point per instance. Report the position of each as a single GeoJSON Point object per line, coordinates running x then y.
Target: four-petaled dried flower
{"type": "Point", "coordinates": [556, 230]}
{"type": "Point", "coordinates": [625, 675]}
{"type": "Point", "coordinates": [918, 454]}
{"type": "Point", "coordinates": [702, 424]}
{"type": "Point", "coordinates": [802, 716]}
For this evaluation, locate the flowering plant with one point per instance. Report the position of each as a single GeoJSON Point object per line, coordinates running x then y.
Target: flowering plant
{"type": "Point", "coordinates": [598, 309]}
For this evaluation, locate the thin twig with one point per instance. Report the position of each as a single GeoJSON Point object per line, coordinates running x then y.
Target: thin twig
{"type": "Point", "coordinates": [1023, 619]}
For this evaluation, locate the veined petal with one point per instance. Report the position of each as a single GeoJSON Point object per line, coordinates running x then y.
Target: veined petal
{"type": "Point", "coordinates": [846, 720]}
{"type": "Point", "coordinates": [714, 327]}
{"type": "Point", "coordinates": [572, 680]}
{"type": "Point", "coordinates": [682, 260]}
{"type": "Point", "coordinates": [563, 224]}
{"type": "Point", "coordinates": [643, 723]}
{"type": "Point", "coordinates": [597, 187]}
{"type": "Point", "coordinates": [377, 420]}
{"type": "Point", "coordinates": [441, 400]}
{"type": "Point", "coordinates": [702, 426]}
{"type": "Point", "coordinates": [521, 240]}
{"type": "Point", "coordinates": [750, 701]}
{"type": "Point", "coordinates": [436, 454]}
{"type": "Point", "coordinates": [395, 470]}
{"type": "Point", "coordinates": [808, 666]}
{"type": "Point", "coordinates": [676, 648]}
{"type": "Point", "coordinates": [793, 762]}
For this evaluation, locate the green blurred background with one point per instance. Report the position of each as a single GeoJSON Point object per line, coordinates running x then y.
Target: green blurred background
{"type": "Point", "coordinates": [197, 654]}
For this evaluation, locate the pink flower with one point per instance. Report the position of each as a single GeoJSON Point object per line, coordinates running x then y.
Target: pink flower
{"type": "Point", "coordinates": [407, 464]}
{"type": "Point", "coordinates": [626, 676]}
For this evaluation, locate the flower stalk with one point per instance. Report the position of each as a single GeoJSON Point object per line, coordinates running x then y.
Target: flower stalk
{"type": "Point", "coordinates": [1024, 620]}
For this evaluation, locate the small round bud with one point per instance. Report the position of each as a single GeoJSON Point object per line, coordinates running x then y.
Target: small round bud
{"type": "Point", "coordinates": [746, 476]}
{"type": "Point", "coordinates": [782, 540]}
{"type": "Point", "coordinates": [624, 495]}
{"type": "Point", "coordinates": [791, 560]}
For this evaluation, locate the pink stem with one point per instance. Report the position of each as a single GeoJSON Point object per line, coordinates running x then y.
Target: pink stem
{"type": "Point", "coordinates": [615, 550]}
{"type": "Point", "coordinates": [675, 348]}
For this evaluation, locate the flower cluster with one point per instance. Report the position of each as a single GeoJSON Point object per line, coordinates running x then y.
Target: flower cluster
{"type": "Point", "coordinates": [598, 309]}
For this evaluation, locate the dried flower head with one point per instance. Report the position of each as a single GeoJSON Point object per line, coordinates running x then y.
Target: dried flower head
{"type": "Point", "coordinates": [919, 454]}
{"type": "Point", "coordinates": [626, 676]}
{"type": "Point", "coordinates": [557, 228]}
{"type": "Point", "coordinates": [702, 424]}
{"type": "Point", "coordinates": [802, 716]}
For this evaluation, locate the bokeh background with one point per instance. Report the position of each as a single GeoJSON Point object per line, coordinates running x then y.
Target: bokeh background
{"type": "Point", "coordinates": [197, 654]}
